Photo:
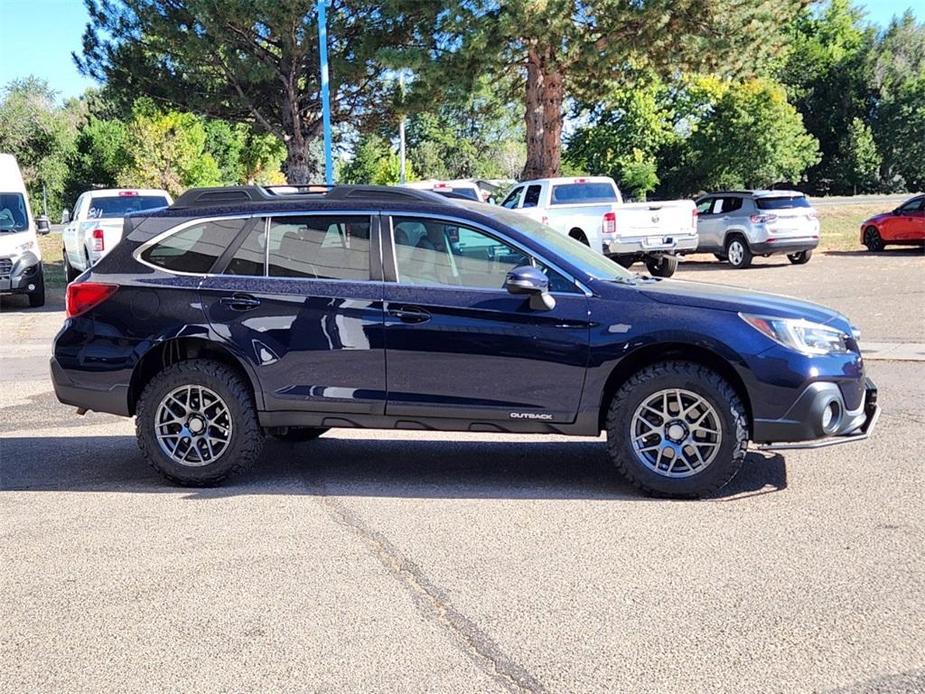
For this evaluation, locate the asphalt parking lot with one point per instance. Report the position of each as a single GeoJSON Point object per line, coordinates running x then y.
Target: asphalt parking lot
{"type": "Point", "coordinates": [405, 561]}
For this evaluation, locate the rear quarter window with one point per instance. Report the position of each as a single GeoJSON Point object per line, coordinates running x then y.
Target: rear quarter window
{"type": "Point", "coordinates": [195, 248]}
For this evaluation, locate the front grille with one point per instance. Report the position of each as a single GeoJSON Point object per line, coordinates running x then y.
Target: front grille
{"type": "Point", "coordinates": [6, 268]}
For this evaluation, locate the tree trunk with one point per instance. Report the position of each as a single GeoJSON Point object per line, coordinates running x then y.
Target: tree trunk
{"type": "Point", "coordinates": [545, 92]}
{"type": "Point", "coordinates": [301, 166]}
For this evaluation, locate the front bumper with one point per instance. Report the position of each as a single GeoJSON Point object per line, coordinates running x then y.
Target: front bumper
{"type": "Point", "coordinates": [802, 426]}
{"type": "Point", "coordinates": [19, 272]}
{"type": "Point", "coordinates": [643, 245]}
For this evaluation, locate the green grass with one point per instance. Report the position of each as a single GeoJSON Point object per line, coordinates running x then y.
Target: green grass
{"type": "Point", "coordinates": [841, 224]}
{"type": "Point", "coordinates": [52, 261]}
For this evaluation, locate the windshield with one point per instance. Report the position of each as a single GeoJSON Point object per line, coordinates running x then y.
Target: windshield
{"type": "Point", "coordinates": [782, 203]}
{"type": "Point", "coordinates": [577, 193]}
{"type": "Point", "coordinates": [105, 208]}
{"type": "Point", "coordinates": [13, 215]}
{"type": "Point", "coordinates": [573, 252]}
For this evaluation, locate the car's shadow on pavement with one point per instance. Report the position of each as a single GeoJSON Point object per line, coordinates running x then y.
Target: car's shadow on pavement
{"type": "Point", "coordinates": [402, 468]}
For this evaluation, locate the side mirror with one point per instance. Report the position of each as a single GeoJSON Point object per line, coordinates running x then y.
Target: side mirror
{"type": "Point", "coordinates": [65, 216]}
{"type": "Point", "coordinates": [526, 279]}
{"type": "Point", "coordinates": [42, 225]}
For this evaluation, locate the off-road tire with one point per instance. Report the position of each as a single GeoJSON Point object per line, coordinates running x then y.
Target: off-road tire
{"type": "Point", "coordinates": [708, 385]}
{"type": "Point", "coordinates": [300, 434]}
{"type": "Point", "coordinates": [800, 258]}
{"type": "Point", "coordinates": [247, 437]}
{"type": "Point", "coordinates": [663, 266]}
{"type": "Point", "coordinates": [734, 259]}
{"type": "Point", "coordinates": [873, 240]}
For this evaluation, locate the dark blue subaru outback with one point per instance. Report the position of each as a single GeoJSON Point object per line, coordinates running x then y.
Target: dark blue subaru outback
{"type": "Point", "coordinates": [242, 312]}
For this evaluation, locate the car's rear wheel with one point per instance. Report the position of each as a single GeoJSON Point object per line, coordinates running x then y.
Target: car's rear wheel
{"type": "Point", "coordinates": [299, 434]}
{"type": "Point", "coordinates": [677, 429]}
{"type": "Point", "coordinates": [662, 266]}
{"type": "Point", "coordinates": [873, 240]}
{"type": "Point", "coordinates": [800, 258]}
{"type": "Point", "coordinates": [196, 423]}
{"type": "Point", "coordinates": [738, 253]}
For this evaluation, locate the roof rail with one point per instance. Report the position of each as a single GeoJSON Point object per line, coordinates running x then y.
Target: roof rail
{"type": "Point", "coordinates": [235, 195]}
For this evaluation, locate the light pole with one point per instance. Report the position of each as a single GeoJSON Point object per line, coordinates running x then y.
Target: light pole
{"type": "Point", "coordinates": [401, 130]}
{"type": "Point", "coordinates": [325, 90]}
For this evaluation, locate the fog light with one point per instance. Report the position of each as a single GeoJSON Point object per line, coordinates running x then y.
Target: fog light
{"type": "Point", "coordinates": [31, 287]}
{"type": "Point", "coordinates": [831, 417]}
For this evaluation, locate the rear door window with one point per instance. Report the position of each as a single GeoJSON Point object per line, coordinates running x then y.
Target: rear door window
{"type": "Point", "coordinates": [732, 204]}
{"type": "Point", "coordinates": [532, 196]}
{"type": "Point", "coordinates": [333, 247]}
{"type": "Point", "coordinates": [195, 248]}
{"type": "Point", "coordinates": [250, 257]}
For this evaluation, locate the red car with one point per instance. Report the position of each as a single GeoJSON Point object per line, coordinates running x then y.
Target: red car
{"type": "Point", "coordinates": [903, 226]}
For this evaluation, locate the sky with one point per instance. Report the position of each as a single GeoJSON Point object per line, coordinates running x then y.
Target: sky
{"type": "Point", "coordinates": [40, 35]}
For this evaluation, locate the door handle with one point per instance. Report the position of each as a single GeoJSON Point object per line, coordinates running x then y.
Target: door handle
{"type": "Point", "coordinates": [240, 302]}
{"type": "Point", "coordinates": [410, 314]}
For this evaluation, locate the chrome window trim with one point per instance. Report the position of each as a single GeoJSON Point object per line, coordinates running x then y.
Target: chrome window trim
{"type": "Point", "coordinates": [491, 232]}
{"type": "Point", "coordinates": [136, 254]}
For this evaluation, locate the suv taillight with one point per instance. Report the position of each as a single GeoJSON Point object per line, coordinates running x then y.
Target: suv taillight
{"type": "Point", "coordinates": [763, 218]}
{"type": "Point", "coordinates": [97, 236]}
{"type": "Point", "coordinates": [610, 224]}
{"type": "Point", "coordinates": [82, 296]}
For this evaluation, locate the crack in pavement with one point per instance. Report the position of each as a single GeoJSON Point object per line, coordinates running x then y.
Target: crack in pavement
{"type": "Point", "coordinates": [430, 600]}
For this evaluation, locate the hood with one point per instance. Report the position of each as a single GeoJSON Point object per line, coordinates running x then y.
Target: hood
{"type": "Point", "coordinates": [10, 242]}
{"type": "Point", "coordinates": [724, 298]}
{"type": "Point", "coordinates": [877, 218]}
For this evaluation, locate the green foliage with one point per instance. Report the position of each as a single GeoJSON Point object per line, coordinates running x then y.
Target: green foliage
{"type": "Point", "coordinates": [857, 162]}
{"type": "Point", "coordinates": [253, 61]}
{"type": "Point", "coordinates": [751, 137]}
{"type": "Point", "coordinates": [41, 136]}
{"type": "Point", "coordinates": [374, 162]}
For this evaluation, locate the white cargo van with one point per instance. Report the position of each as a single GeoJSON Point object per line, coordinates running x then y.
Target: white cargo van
{"type": "Point", "coordinates": [21, 269]}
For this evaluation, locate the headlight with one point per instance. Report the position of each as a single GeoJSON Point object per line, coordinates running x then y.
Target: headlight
{"type": "Point", "coordinates": [800, 335]}
{"type": "Point", "coordinates": [23, 247]}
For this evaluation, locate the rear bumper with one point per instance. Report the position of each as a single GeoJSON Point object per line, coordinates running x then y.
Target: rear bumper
{"type": "Point", "coordinates": [112, 398]}
{"type": "Point", "coordinates": [802, 426]}
{"type": "Point", "coordinates": [643, 245]}
{"type": "Point", "coordinates": [785, 245]}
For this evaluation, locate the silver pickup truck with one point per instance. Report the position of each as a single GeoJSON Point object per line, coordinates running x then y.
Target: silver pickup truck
{"type": "Point", "coordinates": [591, 210]}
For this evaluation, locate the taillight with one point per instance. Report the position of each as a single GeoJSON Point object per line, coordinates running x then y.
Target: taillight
{"type": "Point", "coordinates": [763, 218]}
{"type": "Point", "coordinates": [694, 218]}
{"type": "Point", "coordinates": [97, 236]}
{"type": "Point", "coordinates": [82, 296]}
{"type": "Point", "coordinates": [610, 224]}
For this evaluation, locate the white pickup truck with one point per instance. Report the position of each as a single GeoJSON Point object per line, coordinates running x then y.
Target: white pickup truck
{"type": "Point", "coordinates": [591, 210]}
{"type": "Point", "coordinates": [94, 226]}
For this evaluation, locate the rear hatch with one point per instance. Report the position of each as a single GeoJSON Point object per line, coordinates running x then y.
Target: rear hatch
{"type": "Point", "coordinates": [787, 216]}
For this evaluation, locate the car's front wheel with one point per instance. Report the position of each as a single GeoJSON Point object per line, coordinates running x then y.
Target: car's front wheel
{"type": "Point", "coordinates": [800, 258]}
{"type": "Point", "coordinates": [873, 240]}
{"type": "Point", "coordinates": [37, 295]}
{"type": "Point", "coordinates": [677, 429]}
{"type": "Point", "coordinates": [196, 423]}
